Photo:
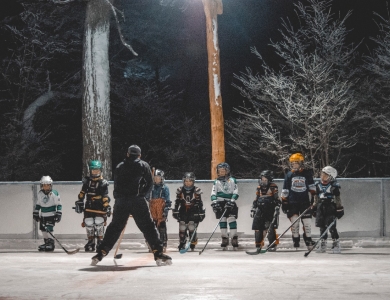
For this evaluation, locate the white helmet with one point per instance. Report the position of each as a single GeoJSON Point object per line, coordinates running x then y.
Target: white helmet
{"type": "Point", "coordinates": [46, 180]}
{"type": "Point", "coordinates": [332, 172]}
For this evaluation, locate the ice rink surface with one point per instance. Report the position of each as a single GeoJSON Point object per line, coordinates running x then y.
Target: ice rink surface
{"type": "Point", "coordinates": [357, 273]}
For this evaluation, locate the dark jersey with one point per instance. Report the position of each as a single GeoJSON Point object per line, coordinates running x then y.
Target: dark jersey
{"type": "Point", "coordinates": [297, 186]}
{"type": "Point", "coordinates": [132, 177]}
{"type": "Point", "coordinates": [96, 192]}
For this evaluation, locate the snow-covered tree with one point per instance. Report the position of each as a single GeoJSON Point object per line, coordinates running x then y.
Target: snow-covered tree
{"type": "Point", "coordinates": [306, 104]}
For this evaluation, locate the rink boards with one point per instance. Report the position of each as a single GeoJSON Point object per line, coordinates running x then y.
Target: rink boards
{"type": "Point", "coordinates": [366, 202]}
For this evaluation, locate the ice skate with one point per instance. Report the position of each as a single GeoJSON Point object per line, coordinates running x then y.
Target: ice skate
{"type": "Point", "coordinates": [296, 242]}
{"type": "Point", "coordinates": [98, 257]}
{"type": "Point", "coordinates": [272, 249]}
{"type": "Point", "coordinates": [336, 247]}
{"type": "Point", "coordinates": [43, 246]}
{"type": "Point", "coordinates": [193, 244]}
{"type": "Point", "coordinates": [225, 243]}
{"type": "Point", "coordinates": [162, 259]}
{"type": "Point", "coordinates": [182, 245]}
{"type": "Point", "coordinates": [164, 248]}
{"type": "Point", "coordinates": [309, 243]}
{"type": "Point", "coordinates": [90, 246]}
{"type": "Point", "coordinates": [234, 242]}
{"type": "Point", "coordinates": [322, 246]}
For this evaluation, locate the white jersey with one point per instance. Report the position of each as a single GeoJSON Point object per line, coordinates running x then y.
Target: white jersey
{"type": "Point", "coordinates": [48, 204]}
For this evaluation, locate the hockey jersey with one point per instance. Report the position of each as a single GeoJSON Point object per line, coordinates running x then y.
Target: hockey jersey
{"type": "Point", "coordinates": [224, 190]}
{"type": "Point", "coordinates": [297, 186]}
{"type": "Point", "coordinates": [48, 204]}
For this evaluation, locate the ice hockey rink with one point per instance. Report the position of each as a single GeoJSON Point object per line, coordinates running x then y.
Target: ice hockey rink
{"type": "Point", "coordinates": [357, 273]}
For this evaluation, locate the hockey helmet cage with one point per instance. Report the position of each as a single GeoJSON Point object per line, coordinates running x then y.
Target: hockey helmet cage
{"type": "Point", "coordinates": [46, 180]}
{"type": "Point", "coordinates": [159, 173]}
{"type": "Point", "coordinates": [95, 165]}
{"type": "Point", "coordinates": [189, 176]}
{"type": "Point", "coordinates": [267, 174]}
{"type": "Point", "coordinates": [332, 172]}
{"type": "Point", "coordinates": [225, 166]}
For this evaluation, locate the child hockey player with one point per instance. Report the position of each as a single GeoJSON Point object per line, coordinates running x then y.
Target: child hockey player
{"type": "Point", "coordinates": [297, 186]}
{"type": "Point", "coordinates": [96, 208]}
{"type": "Point", "coordinates": [188, 210]}
{"type": "Point", "coordinates": [223, 196]}
{"type": "Point", "coordinates": [327, 206]}
{"type": "Point", "coordinates": [159, 205]}
{"type": "Point", "coordinates": [265, 208]}
{"type": "Point", "coordinates": [49, 204]}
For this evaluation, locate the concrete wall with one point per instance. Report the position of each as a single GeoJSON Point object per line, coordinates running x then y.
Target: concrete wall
{"type": "Point", "coordinates": [366, 203]}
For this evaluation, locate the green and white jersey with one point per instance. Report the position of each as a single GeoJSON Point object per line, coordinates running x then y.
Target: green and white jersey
{"type": "Point", "coordinates": [48, 204]}
{"type": "Point", "coordinates": [224, 190]}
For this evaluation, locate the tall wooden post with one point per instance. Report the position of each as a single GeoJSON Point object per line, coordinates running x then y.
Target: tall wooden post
{"type": "Point", "coordinates": [212, 8]}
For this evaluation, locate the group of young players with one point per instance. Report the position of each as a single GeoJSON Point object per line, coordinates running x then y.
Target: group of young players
{"type": "Point", "coordinates": [300, 199]}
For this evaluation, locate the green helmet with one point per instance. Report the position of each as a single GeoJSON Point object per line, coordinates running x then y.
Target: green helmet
{"type": "Point", "coordinates": [95, 165]}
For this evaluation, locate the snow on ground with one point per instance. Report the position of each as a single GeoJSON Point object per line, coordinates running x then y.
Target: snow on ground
{"type": "Point", "coordinates": [357, 273]}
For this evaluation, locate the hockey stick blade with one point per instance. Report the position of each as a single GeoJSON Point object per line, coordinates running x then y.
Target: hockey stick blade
{"type": "Point", "coordinates": [253, 252]}
{"type": "Point", "coordinates": [72, 252]}
{"type": "Point", "coordinates": [182, 251]}
{"type": "Point", "coordinates": [118, 256]}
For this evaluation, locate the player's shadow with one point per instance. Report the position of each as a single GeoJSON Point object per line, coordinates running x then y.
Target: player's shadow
{"type": "Point", "coordinates": [117, 268]}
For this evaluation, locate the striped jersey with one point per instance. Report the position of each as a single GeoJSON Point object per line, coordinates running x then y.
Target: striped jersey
{"type": "Point", "coordinates": [224, 190]}
{"type": "Point", "coordinates": [48, 204]}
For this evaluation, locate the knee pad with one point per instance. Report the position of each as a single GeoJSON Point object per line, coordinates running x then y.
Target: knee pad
{"type": "Point", "coordinates": [182, 226]}
{"type": "Point", "coordinates": [99, 221]}
{"type": "Point", "coordinates": [191, 226]}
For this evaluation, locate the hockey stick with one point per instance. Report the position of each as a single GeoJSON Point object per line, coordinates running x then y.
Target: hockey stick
{"type": "Point", "coordinates": [276, 214]}
{"type": "Point", "coordinates": [101, 212]}
{"type": "Point", "coordinates": [213, 231]}
{"type": "Point", "coordinates": [182, 251]}
{"type": "Point", "coordinates": [322, 235]}
{"type": "Point", "coordinates": [292, 224]}
{"type": "Point", "coordinates": [66, 250]}
{"type": "Point", "coordinates": [119, 256]}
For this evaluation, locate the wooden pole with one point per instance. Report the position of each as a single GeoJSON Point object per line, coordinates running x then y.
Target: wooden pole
{"type": "Point", "coordinates": [212, 8]}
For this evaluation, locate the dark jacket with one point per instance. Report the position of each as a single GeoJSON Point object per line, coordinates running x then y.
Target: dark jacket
{"type": "Point", "coordinates": [132, 177]}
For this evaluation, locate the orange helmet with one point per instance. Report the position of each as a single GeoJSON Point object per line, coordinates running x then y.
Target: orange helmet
{"type": "Point", "coordinates": [297, 157]}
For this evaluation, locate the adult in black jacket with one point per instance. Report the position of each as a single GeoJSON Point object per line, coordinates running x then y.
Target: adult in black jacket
{"type": "Point", "coordinates": [132, 183]}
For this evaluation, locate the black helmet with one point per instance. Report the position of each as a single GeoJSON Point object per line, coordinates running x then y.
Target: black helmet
{"type": "Point", "coordinates": [225, 166]}
{"type": "Point", "coordinates": [134, 150]}
{"type": "Point", "coordinates": [267, 174]}
{"type": "Point", "coordinates": [190, 176]}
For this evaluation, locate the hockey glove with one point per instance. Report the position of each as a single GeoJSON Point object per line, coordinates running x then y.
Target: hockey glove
{"type": "Point", "coordinates": [253, 212]}
{"type": "Point", "coordinates": [57, 217]}
{"type": "Point", "coordinates": [107, 209]}
{"type": "Point", "coordinates": [36, 216]}
{"type": "Point", "coordinates": [216, 207]}
{"type": "Point", "coordinates": [340, 212]}
{"type": "Point", "coordinates": [229, 204]}
{"type": "Point", "coordinates": [199, 217]}
{"type": "Point", "coordinates": [285, 207]}
{"type": "Point", "coordinates": [79, 206]}
{"type": "Point", "coordinates": [175, 215]}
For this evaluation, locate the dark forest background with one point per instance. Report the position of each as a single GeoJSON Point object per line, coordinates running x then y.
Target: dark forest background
{"type": "Point", "coordinates": [159, 100]}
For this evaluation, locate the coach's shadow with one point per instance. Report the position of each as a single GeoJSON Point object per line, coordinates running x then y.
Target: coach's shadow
{"type": "Point", "coordinates": [115, 268]}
